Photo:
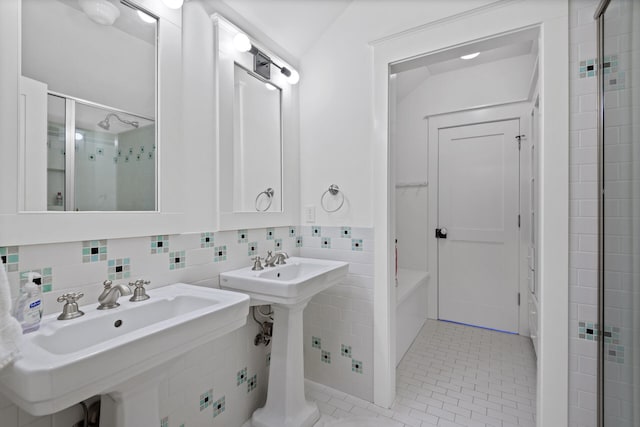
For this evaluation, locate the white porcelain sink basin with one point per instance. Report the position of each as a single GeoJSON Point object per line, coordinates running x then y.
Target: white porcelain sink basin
{"type": "Point", "coordinates": [297, 280]}
{"type": "Point", "coordinates": [67, 361]}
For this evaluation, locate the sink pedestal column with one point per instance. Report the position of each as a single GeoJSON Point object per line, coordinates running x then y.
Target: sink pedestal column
{"type": "Point", "coordinates": [136, 405]}
{"type": "Point", "coordinates": [286, 404]}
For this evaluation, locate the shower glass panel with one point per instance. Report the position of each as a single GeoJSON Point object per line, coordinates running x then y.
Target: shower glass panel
{"type": "Point", "coordinates": [620, 226]}
{"type": "Point", "coordinates": [56, 149]}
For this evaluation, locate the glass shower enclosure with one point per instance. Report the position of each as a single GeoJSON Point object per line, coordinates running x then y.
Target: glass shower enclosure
{"type": "Point", "coordinates": [619, 228]}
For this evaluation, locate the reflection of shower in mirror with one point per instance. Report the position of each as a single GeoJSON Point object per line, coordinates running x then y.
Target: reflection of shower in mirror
{"type": "Point", "coordinates": [104, 124]}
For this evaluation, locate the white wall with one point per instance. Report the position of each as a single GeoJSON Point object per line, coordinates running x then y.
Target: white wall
{"type": "Point", "coordinates": [336, 119]}
{"type": "Point", "coordinates": [103, 65]}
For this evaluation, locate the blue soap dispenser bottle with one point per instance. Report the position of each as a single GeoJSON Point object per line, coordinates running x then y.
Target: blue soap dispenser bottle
{"type": "Point", "coordinates": [28, 308]}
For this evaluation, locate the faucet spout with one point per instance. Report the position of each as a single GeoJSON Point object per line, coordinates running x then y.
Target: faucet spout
{"type": "Point", "coordinates": [109, 297]}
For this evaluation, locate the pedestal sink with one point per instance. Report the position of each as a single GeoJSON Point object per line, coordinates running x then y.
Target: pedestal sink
{"type": "Point", "coordinates": [288, 288]}
{"type": "Point", "coordinates": [121, 352]}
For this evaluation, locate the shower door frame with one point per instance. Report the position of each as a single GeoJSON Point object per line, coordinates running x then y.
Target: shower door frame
{"type": "Point", "coordinates": [599, 17]}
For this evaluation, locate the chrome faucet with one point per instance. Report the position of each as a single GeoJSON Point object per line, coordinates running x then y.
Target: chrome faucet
{"type": "Point", "coordinates": [280, 258]}
{"type": "Point", "coordinates": [270, 259]}
{"type": "Point", "coordinates": [109, 296]}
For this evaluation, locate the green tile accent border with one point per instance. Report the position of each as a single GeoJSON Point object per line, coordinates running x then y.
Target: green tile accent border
{"type": "Point", "coordinates": [326, 242]}
{"type": "Point", "coordinates": [326, 356]}
{"type": "Point", "coordinates": [252, 249]}
{"type": "Point", "coordinates": [206, 239]}
{"type": "Point", "coordinates": [345, 350]}
{"type": "Point", "coordinates": [243, 236]}
{"type": "Point", "coordinates": [316, 342]}
{"type": "Point", "coordinates": [299, 242]}
{"type": "Point", "coordinates": [220, 253]}
{"type": "Point", "coordinates": [206, 400]}
{"type": "Point", "coordinates": [271, 233]}
{"type": "Point", "coordinates": [241, 376]}
{"type": "Point", "coordinates": [119, 268]}
{"type": "Point", "coordinates": [10, 258]}
{"type": "Point", "coordinates": [218, 407]}
{"type": "Point", "coordinates": [177, 260]}
{"type": "Point", "coordinates": [356, 245]}
{"type": "Point", "coordinates": [345, 232]}
{"type": "Point", "coordinates": [292, 232]}
{"type": "Point", "coordinates": [94, 250]}
{"type": "Point", "coordinates": [356, 366]}
{"type": "Point", "coordinates": [252, 383]}
{"type": "Point", "coordinates": [588, 331]}
{"type": "Point", "coordinates": [47, 277]}
{"type": "Point", "coordinates": [316, 231]}
{"type": "Point", "coordinates": [159, 244]}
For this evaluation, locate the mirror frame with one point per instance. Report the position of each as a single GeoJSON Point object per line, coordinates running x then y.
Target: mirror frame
{"type": "Point", "coordinates": [19, 227]}
{"type": "Point", "coordinates": [225, 58]}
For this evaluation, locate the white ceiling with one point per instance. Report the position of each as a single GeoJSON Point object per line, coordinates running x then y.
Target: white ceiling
{"type": "Point", "coordinates": [295, 25]}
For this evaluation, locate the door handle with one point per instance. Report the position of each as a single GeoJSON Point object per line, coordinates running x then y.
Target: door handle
{"type": "Point", "coordinates": [441, 233]}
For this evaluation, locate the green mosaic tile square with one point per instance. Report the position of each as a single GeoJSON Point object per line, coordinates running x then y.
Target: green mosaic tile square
{"type": "Point", "coordinates": [118, 269]}
{"type": "Point", "coordinates": [268, 359]}
{"type": "Point", "coordinates": [316, 342]}
{"type": "Point", "coordinates": [271, 233]}
{"type": "Point", "coordinates": [299, 242]}
{"type": "Point", "coordinates": [46, 280]}
{"type": "Point", "coordinates": [277, 244]}
{"type": "Point", "coordinates": [177, 260]}
{"type": "Point", "coordinates": [206, 399]}
{"type": "Point", "coordinates": [164, 422]}
{"type": "Point", "coordinates": [159, 244]}
{"type": "Point", "coordinates": [241, 376]}
{"type": "Point", "coordinates": [292, 232]}
{"type": "Point", "coordinates": [356, 245]}
{"type": "Point", "coordinates": [345, 232]}
{"type": "Point", "coordinates": [345, 350]}
{"type": "Point", "coordinates": [356, 366]}
{"type": "Point", "coordinates": [94, 251]}
{"type": "Point", "coordinates": [252, 383]}
{"type": "Point", "coordinates": [243, 236]}
{"type": "Point", "coordinates": [218, 407]}
{"type": "Point", "coordinates": [326, 242]}
{"type": "Point", "coordinates": [220, 253]}
{"type": "Point", "coordinates": [252, 249]}
{"type": "Point", "coordinates": [316, 231]}
{"type": "Point", "coordinates": [206, 240]}
{"type": "Point", "coordinates": [10, 258]}
{"type": "Point", "coordinates": [325, 356]}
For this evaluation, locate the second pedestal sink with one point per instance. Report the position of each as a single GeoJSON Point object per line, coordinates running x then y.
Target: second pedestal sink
{"type": "Point", "coordinates": [121, 352]}
{"type": "Point", "coordinates": [288, 288]}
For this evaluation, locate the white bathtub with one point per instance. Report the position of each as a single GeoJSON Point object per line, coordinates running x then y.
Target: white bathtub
{"type": "Point", "coordinates": [411, 308]}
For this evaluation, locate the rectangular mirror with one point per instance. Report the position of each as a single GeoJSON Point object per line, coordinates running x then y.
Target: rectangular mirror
{"type": "Point", "coordinates": [257, 143]}
{"type": "Point", "coordinates": [94, 62]}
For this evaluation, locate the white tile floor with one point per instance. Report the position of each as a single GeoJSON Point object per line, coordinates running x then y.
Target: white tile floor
{"type": "Point", "coordinates": [453, 375]}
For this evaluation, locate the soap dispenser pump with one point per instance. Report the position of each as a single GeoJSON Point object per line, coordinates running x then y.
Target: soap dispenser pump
{"type": "Point", "coordinates": [28, 308]}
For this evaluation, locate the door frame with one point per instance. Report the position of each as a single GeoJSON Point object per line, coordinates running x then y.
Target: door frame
{"type": "Point", "coordinates": [499, 17]}
{"type": "Point", "coordinates": [511, 111]}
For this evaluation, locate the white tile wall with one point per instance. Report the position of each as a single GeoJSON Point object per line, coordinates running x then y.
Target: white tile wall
{"type": "Point", "coordinates": [210, 367]}
{"type": "Point", "coordinates": [583, 215]}
{"type": "Point", "coordinates": [343, 314]}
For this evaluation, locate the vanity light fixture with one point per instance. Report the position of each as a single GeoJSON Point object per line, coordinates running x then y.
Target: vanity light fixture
{"type": "Point", "coordinates": [470, 56]}
{"type": "Point", "coordinates": [173, 4]}
{"type": "Point", "coordinates": [261, 62]}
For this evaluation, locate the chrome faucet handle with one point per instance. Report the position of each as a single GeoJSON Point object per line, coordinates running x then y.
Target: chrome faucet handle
{"type": "Point", "coordinates": [139, 293]}
{"type": "Point", "coordinates": [70, 309]}
{"type": "Point", "coordinates": [270, 259]}
{"type": "Point", "coordinates": [257, 264]}
{"type": "Point", "coordinates": [107, 284]}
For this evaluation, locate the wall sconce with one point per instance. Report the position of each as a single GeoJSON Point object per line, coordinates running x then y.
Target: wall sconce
{"type": "Point", "coordinates": [261, 62]}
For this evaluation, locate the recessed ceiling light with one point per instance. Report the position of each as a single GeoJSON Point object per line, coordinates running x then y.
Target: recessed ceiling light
{"type": "Point", "coordinates": [470, 56]}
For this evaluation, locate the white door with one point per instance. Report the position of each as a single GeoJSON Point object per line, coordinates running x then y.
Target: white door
{"type": "Point", "coordinates": [478, 205]}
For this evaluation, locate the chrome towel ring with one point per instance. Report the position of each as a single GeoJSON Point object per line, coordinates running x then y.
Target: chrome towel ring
{"type": "Point", "coordinates": [269, 193]}
{"type": "Point", "coordinates": [334, 190]}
